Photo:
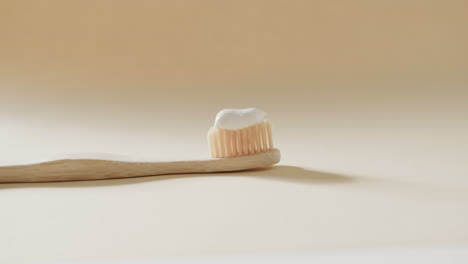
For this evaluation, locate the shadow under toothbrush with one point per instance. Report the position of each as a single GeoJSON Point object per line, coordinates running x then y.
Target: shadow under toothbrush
{"type": "Point", "coordinates": [281, 173]}
{"type": "Point", "coordinates": [294, 174]}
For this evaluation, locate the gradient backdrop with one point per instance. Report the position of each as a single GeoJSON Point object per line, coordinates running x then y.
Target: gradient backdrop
{"type": "Point", "coordinates": [370, 97]}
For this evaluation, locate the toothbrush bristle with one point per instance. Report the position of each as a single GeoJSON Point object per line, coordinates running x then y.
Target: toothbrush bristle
{"type": "Point", "coordinates": [226, 143]}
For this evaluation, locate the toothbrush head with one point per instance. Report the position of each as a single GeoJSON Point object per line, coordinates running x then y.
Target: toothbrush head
{"type": "Point", "coordinates": [240, 132]}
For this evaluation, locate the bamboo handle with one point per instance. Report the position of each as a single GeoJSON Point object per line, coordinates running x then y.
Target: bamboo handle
{"type": "Point", "coordinates": [95, 169]}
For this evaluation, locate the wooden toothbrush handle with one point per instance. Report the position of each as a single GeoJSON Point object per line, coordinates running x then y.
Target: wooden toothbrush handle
{"type": "Point", "coordinates": [95, 169]}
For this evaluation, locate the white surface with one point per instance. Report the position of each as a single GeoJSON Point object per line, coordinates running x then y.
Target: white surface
{"type": "Point", "coordinates": [366, 183]}
{"type": "Point", "coordinates": [432, 255]}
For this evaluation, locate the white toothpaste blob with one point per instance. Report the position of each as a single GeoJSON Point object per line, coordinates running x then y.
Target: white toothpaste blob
{"type": "Point", "coordinates": [234, 119]}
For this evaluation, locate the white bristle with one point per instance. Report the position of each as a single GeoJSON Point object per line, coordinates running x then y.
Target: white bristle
{"type": "Point", "coordinates": [226, 143]}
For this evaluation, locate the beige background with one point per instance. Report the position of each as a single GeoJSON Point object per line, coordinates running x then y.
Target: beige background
{"type": "Point", "coordinates": [369, 97]}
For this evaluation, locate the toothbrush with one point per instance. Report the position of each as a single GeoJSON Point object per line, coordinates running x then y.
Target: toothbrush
{"type": "Point", "coordinates": [240, 139]}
